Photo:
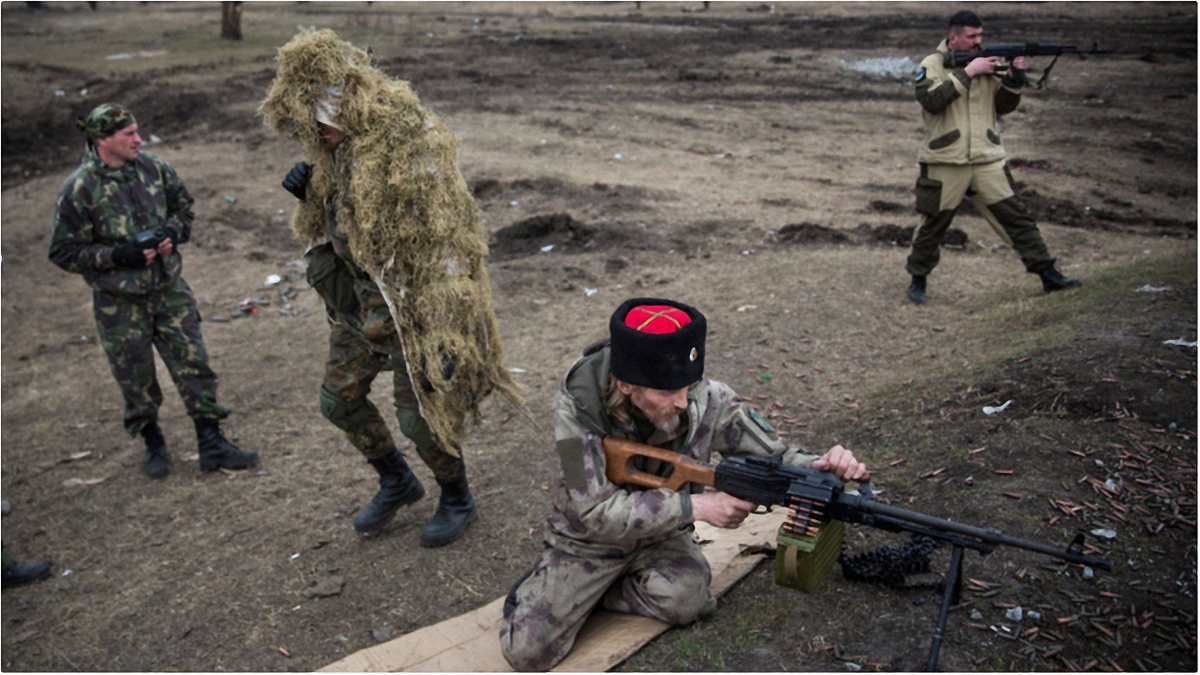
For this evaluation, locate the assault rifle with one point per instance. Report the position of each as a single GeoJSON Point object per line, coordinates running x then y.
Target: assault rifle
{"type": "Point", "coordinates": [1009, 52]}
{"type": "Point", "coordinates": [815, 498]}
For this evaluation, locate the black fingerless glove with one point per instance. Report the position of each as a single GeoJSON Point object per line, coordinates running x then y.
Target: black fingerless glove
{"type": "Point", "coordinates": [128, 254]}
{"type": "Point", "coordinates": [296, 180]}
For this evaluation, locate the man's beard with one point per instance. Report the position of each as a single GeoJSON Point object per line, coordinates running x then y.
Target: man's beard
{"type": "Point", "coordinates": [667, 423]}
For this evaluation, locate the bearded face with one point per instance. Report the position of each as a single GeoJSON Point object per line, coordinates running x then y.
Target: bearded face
{"type": "Point", "coordinates": [664, 408]}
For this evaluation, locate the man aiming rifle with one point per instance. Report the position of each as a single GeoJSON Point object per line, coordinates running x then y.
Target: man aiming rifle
{"type": "Point", "coordinates": [962, 155]}
{"type": "Point", "coordinates": [631, 548]}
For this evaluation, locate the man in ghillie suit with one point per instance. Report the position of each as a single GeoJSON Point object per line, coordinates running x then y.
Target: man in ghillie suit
{"type": "Point", "coordinates": [119, 221]}
{"type": "Point", "coordinates": [395, 248]}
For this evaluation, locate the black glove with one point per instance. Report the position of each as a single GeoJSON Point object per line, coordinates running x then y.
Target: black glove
{"type": "Point", "coordinates": [297, 179]}
{"type": "Point", "coordinates": [128, 254]}
{"type": "Point", "coordinates": [1017, 77]}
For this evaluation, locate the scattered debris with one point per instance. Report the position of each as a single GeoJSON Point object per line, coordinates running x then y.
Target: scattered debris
{"type": "Point", "coordinates": [989, 410]}
{"type": "Point", "coordinates": [79, 482]}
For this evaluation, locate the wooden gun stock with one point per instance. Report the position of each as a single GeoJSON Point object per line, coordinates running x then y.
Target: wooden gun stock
{"type": "Point", "coordinates": [619, 469]}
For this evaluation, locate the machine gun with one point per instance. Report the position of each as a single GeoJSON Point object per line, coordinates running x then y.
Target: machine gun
{"type": "Point", "coordinates": [816, 499]}
{"type": "Point", "coordinates": [953, 59]}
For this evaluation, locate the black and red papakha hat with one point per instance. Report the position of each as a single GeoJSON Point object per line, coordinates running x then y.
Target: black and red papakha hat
{"type": "Point", "coordinates": [657, 343]}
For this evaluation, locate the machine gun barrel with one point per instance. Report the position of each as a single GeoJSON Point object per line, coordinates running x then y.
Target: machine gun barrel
{"type": "Point", "coordinates": [857, 508]}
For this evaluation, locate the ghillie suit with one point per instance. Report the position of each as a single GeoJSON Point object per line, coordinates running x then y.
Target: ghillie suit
{"type": "Point", "coordinates": [408, 215]}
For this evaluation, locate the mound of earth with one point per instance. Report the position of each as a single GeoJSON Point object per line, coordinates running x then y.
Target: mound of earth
{"type": "Point", "coordinates": [810, 233]}
{"type": "Point", "coordinates": [955, 237]}
{"type": "Point", "coordinates": [892, 234]}
{"type": "Point", "coordinates": [882, 206]}
{"type": "Point", "coordinates": [559, 231]}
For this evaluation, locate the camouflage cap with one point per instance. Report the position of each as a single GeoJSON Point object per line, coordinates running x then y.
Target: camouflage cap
{"type": "Point", "coordinates": [105, 120]}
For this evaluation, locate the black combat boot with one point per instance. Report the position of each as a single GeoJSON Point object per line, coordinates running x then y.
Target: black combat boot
{"type": "Point", "coordinates": [916, 290]}
{"type": "Point", "coordinates": [216, 451]}
{"type": "Point", "coordinates": [456, 510]}
{"type": "Point", "coordinates": [1053, 280]}
{"type": "Point", "coordinates": [19, 574]}
{"type": "Point", "coordinates": [397, 487]}
{"type": "Point", "coordinates": [157, 464]}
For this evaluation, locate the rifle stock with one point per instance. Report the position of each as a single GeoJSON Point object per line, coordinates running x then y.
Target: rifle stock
{"type": "Point", "coordinates": [618, 467]}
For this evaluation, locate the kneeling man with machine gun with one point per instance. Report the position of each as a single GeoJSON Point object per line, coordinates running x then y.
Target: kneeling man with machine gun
{"type": "Point", "coordinates": [118, 222]}
{"type": "Point", "coordinates": [630, 548]}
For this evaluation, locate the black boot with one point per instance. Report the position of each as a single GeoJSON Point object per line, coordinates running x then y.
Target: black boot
{"type": "Point", "coordinates": [397, 487]}
{"type": "Point", "coordinates": [916, 290]}
{"type": "Point", "coordinates": [1053, 280]}
{"type": "Point", "coordinates": [456, 510]}
{"type": "Point", "coordinates": [216, 451]}
{"type": "Point", "coordinates": [157, 464]}
{"type": "Point", "coordinates": [19, 574]}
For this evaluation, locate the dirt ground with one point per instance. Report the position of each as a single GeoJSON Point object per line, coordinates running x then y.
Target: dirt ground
{"type": "Point", "coordinates": [731, 158]}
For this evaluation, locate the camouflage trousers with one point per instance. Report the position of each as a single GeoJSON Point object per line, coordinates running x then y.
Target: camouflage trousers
{"type": "Point", "coordinates": [354, 362]}
{"type": "Point", "coordinates": [132, 326]}
{"type": "Point", "coordinates": [666, 581]}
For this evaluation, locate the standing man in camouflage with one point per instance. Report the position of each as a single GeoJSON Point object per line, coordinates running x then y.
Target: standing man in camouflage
{"type": "Point", "coordinates": [962, 155]}
{"type": "Point", "coordinates": [628, 548]}
{"type": "Point", "coordinates": [118, 222]}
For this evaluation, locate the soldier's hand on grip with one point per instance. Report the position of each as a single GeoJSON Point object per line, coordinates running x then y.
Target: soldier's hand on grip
{"type": "Point", "coordinates": [720, 509]}
{"type": "Point", "coordinates": [129, 254]}
{"type": "Point", "coordinates": [296, 180]}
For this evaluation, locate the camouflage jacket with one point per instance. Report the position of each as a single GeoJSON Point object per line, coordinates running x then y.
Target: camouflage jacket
{"type": "Point", "coordinates": [962, 113]}
{"type": "Point", "coordinates": [593, 517]}
{"type": "Point", "coordinates": [100, 207]}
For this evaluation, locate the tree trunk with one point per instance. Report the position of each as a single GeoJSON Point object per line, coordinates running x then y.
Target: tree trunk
{"type": "Point", "coordinates": [231, 20]}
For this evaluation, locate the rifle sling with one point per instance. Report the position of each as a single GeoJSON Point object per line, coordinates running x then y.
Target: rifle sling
{"type": "Point", "coordinates": [1041, 83]}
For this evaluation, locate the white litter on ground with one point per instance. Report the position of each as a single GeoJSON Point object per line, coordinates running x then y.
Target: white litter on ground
{"type": "Point", "coordinates": [989, 410]}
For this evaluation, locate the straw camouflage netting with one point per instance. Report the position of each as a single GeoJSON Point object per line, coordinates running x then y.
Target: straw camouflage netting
{"type": "Point", "coordinates": [408, 214]}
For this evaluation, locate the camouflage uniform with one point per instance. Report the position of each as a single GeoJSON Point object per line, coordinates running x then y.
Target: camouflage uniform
{"type": "Point", "coordinates": [362, 343]}
{"type": "Point", "coordinates": [628, 549]}
{"type": "Point", "coordinates": [99, 208]}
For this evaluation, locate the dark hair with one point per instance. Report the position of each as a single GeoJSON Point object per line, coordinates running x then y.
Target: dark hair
{"type": "Point", "coordinates": [965, 18]}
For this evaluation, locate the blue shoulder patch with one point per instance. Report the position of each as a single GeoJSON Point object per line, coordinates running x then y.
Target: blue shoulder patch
{"type": "Point", "coordinates": [920, 75]}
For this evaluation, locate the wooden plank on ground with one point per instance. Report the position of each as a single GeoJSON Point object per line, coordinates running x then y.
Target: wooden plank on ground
{"type": "Point", "coordinates": [470, 643]}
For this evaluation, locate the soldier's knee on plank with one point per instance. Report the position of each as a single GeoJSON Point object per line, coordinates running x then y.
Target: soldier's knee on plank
{"type": "Point", "coordinates": [527, 656]}
{"type": "Point", "coordinates": [345, 415]}
{"type": "Point", "coordinates": [681, 596]}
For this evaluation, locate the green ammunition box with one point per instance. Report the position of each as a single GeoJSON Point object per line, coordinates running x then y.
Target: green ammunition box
{"type": "Point", "coordinates": [802, 561]}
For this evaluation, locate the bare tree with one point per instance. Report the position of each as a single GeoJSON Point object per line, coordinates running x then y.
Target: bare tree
{"type": "Point", "coordinates": [231, 20]}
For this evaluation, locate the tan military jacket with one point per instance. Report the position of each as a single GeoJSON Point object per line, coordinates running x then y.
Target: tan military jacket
{"type": "Point", "coordinates": [593, 517]}
{"type": "Point", "coordinates": [961, 112]}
